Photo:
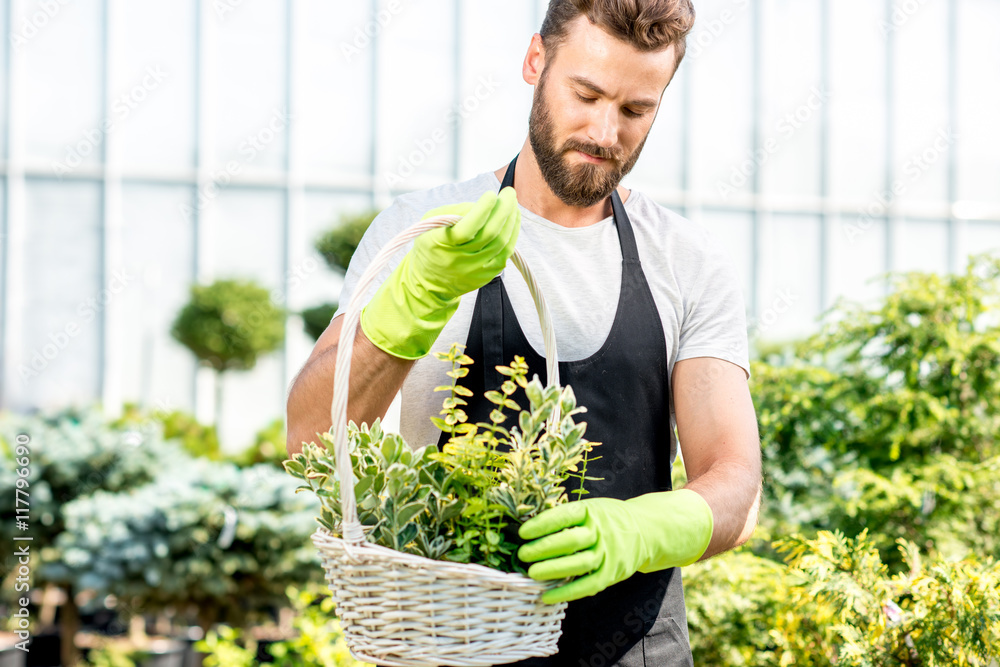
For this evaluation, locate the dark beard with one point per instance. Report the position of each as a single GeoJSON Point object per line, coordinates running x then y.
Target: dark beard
{"type": "Point", "coordinates": [581, 185]}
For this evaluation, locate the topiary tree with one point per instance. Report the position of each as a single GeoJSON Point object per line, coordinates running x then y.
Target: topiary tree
{"type": "Point", "coordinates": [337, 246]}
{"type": "Point", "coordinates": [228, 325]}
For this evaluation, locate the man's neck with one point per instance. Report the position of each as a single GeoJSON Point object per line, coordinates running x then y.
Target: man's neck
{"type": "Point", "coordinates": [534, 194]}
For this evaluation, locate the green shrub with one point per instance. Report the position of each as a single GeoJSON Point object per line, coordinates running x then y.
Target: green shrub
{"type": "Point", "coordinates": [268, 447]}
{"type": "Point", "coordinates": [936, 613]}
{"type": "Point", "coordinates": [73, 454]}
{"type": "Point", "coordinates": [315, 320]}
{"type": "Point", "coordinates": [205, 534]}
{"type": "Point", "coordinates": [197, 439]}
{"type": "Point", "coordinates": [338, 245]}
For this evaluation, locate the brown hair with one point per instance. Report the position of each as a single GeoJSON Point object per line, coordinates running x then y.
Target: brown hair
{"type": "Point", "coordinates": [648, 25]}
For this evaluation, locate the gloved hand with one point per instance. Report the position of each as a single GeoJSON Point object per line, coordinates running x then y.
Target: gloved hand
{"type": "Point", "coordinates": [607, 540]}
{"type": "Point", "coordinates": [410, 309]}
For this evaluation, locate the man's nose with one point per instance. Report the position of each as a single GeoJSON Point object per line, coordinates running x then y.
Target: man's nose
{"type": "Point", "coordinates": [603, 129]}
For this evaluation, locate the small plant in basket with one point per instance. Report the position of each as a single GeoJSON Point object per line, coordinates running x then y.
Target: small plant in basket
{"type": "Point", "coordinates": [464, 501]}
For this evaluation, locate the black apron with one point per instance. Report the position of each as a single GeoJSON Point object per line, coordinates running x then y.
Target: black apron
{"type": "Point", "coordinates": [639, 622]}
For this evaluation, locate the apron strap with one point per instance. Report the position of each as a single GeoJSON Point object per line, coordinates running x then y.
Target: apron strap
{"type": "Point", "coordinates": [626, 237]}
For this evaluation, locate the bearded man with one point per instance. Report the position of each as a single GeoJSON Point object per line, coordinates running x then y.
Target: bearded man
{"type": "Point", "coordinates": [649, 320]}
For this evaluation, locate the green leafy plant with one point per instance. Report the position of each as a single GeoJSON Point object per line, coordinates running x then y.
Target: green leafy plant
{"type": "Point", "coordinates": [229, 324]}
{"type": "Point", "coordinates": [465, 501]}
{"type": "Point", "coordinates": [205, 538]}
{"type": "Point", "coordinates": [947, 613]}
{"type": "Point", "coordinates": [196, 438]}
{"type": "Point", "coordinates": [318, 640]}
{"type": "Point", "coordinates": [226, 646]}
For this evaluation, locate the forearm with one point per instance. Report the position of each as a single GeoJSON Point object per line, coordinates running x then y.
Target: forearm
{"type": "Point", "coordinates": [375, 379]}
{"type": "Point", "coordinates": [732, 490]}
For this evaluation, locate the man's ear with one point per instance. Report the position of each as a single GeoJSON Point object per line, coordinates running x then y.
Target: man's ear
{"type": "Point", "coordinates": [534, 61]}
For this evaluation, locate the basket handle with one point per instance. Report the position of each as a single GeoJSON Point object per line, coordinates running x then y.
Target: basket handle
{"type": "Point", "coordinates": [352, 530]}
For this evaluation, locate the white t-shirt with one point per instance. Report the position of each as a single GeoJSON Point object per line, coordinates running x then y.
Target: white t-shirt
{"type": "Point", "coordinates": [578, 271]}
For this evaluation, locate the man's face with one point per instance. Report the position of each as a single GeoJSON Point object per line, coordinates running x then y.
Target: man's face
{"type": "Point", "coordinates": [594, 104]}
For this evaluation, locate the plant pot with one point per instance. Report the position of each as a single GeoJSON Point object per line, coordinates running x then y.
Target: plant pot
{"type": "Point", "coordinates": [152, 652]}
{"type": "Point", "coordinates": [10, 655]}
{"type": "Point", "coordinates": [43, 651]}
{"type": "Point", "coordinates": [164, 652]}
{"type": "Point", "coordinates": [192, 656]}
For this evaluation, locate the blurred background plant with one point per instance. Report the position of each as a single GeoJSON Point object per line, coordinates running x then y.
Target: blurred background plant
{"type": "Point", "coordinates": [881, 472]}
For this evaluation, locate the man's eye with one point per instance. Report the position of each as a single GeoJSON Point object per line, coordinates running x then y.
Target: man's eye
{"type": "Point", "coordinates": [586, 99]}
{"type": "Point", "coordinates": [632, 114]}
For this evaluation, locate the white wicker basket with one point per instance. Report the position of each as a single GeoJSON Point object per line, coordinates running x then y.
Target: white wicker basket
{"type": "Point", "coordinates": [403, 610]}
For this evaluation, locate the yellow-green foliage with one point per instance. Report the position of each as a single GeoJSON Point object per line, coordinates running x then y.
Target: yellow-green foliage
{"type": "Point", "coordinates": [835, 602]}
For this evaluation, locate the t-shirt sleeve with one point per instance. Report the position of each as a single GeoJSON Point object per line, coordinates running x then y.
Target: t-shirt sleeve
{"type": "Point", "coordinates": [715, 314]}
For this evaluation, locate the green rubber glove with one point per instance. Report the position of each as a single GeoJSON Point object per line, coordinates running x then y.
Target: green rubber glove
{"type": "Point", "coordinates": [410, 309]}
{"type": "Point", "coordinates": [602, 541]}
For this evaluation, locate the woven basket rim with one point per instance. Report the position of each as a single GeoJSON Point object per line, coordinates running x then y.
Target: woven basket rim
{"type": "Point", "coordinates": [322, 537]}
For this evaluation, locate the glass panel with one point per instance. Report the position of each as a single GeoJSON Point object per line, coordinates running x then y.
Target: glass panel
{"type": "Point", "coordinates": [158, 250]}
{"type": "Point", "coordinates": [978, 101]}
{"type": "Point", "coordinates": [920, 126]}
{"type": "Point", "coordinates": [156, 62]}
{"type": "Point", "coordinates": [734, 232]}
{"type": "Point", "coordinates": [495, 102]}
{"type": "Point", "coordinates": [857, 99]}
{"type": "Point", "coordinates": [311, 281]}
{"type": "Point", "coordinates": [63, 109]}
{"type": "Point", "coordinates": [248, 243]}
{"type": "Point", "coordinates": [322, 213]}
{"type": "Point", "coordinates": [248, 236]}
{"type": "Point", "coordinates": [333, 92]}
{"type": "Point", "coordinates": [63, 295]}
{"type": "Point", "coordinates": [856, 256]}
{"type": "Point", "coordinates": [4, 83]}
{"type": "Point", "coordinates": [3, 272]}
{"type": "Point", "coordinates": [249, 90]}
{"type": "Point", "coordinates": [660, 169]}
{"type": "Point", "coordinates": [416, 144]}
{"type": "Point", "coordinates": [921, 245]}
{"type": "Point", "coordinates": [978, 237]}
{"type": "Point", "coordinates": [788, 155]}
{"type": "Point", "coordinates": [718, 55]}
{"type": "Point", "coordinates": [788, 302]}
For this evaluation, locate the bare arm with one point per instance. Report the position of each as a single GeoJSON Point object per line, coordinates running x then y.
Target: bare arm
{"type": "Point", "coordinates": [717, 429]}
{"type": "Point", "coordinates": [375, 378]}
